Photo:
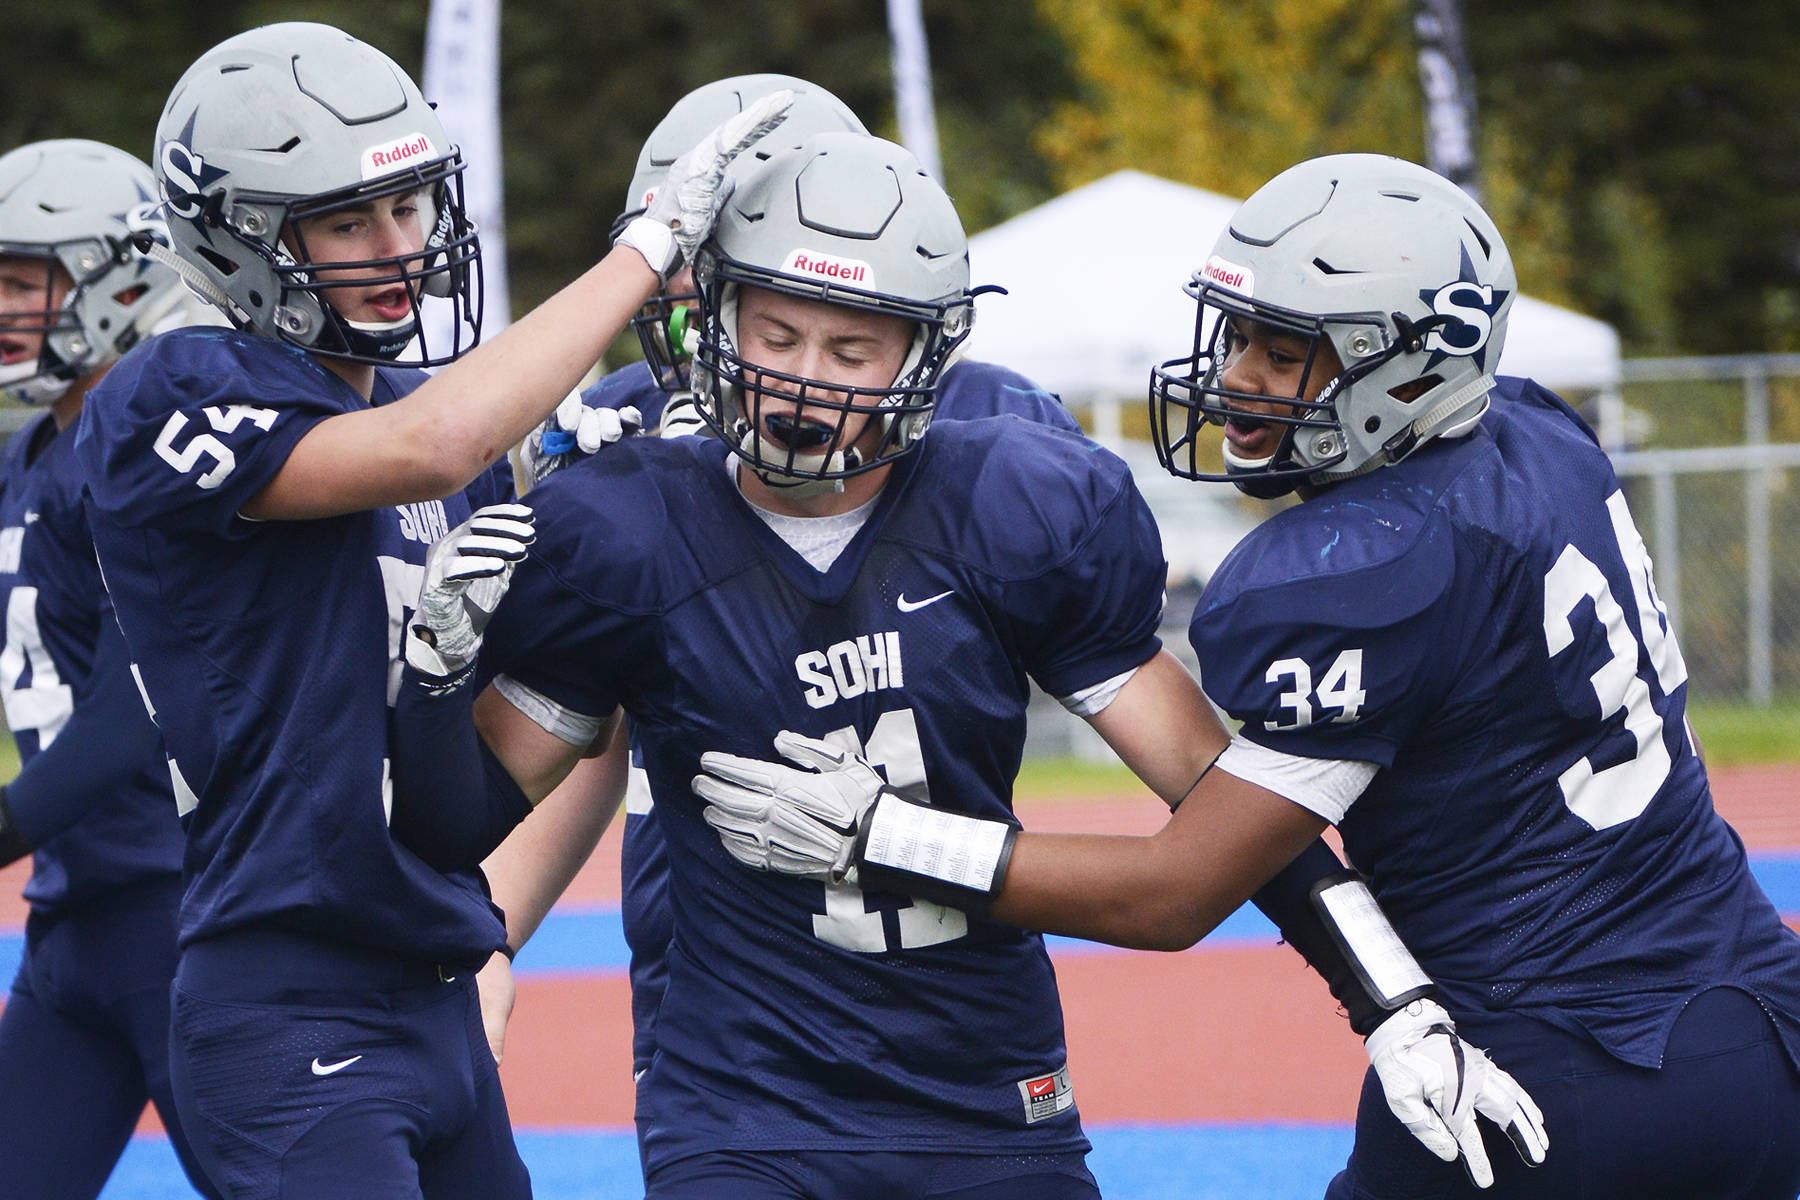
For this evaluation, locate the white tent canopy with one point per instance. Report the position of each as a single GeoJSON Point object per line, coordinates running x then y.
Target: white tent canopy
{"type": "Point", "coordinates": [1095, 276]}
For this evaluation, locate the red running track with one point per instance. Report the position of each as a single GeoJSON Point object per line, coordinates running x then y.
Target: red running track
{"type": "Point", "coordinates": [1230, 1034]}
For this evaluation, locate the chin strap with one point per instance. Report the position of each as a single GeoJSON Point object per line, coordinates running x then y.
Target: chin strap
{"type": "Point", "coordinates": [752, 448]}
{"type": "Point", "coordinates": [191, 275]}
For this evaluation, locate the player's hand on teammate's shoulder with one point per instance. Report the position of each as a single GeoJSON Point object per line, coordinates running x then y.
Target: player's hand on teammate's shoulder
{"type": "Point", "coordinates": [1438, 1085]}
{"type": "Point", "coordinates": [467, 571]}
{"type": "Point", "coordinates": [575, 430]}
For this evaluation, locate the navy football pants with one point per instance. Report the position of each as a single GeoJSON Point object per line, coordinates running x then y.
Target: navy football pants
{"type": "Point", "coordinates": [311, 1071]}
{"type": "Point", "coordinates": [84, 1043]}
{"type": "Point", "coordinates": [1719, 1121]}
{"type": "Point", "coordinates": [852, 1175]}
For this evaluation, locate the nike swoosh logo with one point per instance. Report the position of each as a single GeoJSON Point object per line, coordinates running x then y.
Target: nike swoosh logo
{"type": "Point", "coordinates": [906, 605]}
{"type": "Point", "coordinates": [319, 1068]}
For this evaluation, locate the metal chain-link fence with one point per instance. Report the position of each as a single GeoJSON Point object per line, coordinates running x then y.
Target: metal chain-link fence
{"type": "Point", "coordinates": [1709, 450]}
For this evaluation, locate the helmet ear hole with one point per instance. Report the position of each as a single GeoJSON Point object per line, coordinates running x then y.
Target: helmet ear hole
{"type": "Point", "coordinates": [1412, 389]}
{"type": "Point", "coordinates": [217, 261]}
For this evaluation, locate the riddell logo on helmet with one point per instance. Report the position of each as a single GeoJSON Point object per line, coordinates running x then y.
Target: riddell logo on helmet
{"type": "Point", "coordinates": [1228, 275]}
{"type": "Point", "coordinates": [829, 267]}
{"type": "Point", "coordinates": [391, 156]}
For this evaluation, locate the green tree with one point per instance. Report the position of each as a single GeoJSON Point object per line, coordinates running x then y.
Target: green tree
{"type": "Point", "coordinates": [582, 85]}
{"type": "Point", "coordinates": [1224, 95]}
{"type": "Point", "coordinates": [1675, 129]}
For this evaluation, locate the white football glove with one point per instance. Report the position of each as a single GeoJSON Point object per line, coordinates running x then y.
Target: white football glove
{"type": "Point", "coordinates": [574, 431]}
{"type": "Point", "coordinates": [681, 418]}
{"type": "Point", "coordinates": [680, 215]}
{"type": "Point", "coordinates": [466, 573]}
{"type": "Point", "coordinates": [787, 820]}
{"type": "Point", "coordinates": [1437, 1084]}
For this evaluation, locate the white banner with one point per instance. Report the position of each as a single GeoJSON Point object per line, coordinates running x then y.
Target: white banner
{"type": "Point", "coordinates": [462, 77]}
{"type": "Point", "coordinates": [1449, 90]}
{"type": "Point", "coordinates": [913, 107]}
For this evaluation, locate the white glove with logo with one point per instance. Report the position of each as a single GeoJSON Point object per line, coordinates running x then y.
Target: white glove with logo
{"type": "Point", "coordinates": [785, 819]}
{"type": "Point", "coordinates": [681, 417]}
{"type": "Point", "coordinates": [681, 213]}
{"type": "Point", "coordinates": [466, 573]}
{"type": "Point", "coordinates": [575, 430]}
{"type": "Point", "coordinates": [1437, 1084]}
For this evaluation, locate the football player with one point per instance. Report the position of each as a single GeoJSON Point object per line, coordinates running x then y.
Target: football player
{"type": "Point", "coordinates": [665, 328]}
{"type": "Point", "coordinates": [821, 562]}
{"type": "Point", "coordinates": [84, 1040]}
{"type": "Point", "coordinates": [1452, 650]}
{"type": "Point", "coordinates": [262, 500]}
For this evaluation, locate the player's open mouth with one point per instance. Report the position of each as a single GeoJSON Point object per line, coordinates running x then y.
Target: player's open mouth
{"type": "Point", "coordinates": [13, 350]}
{"type": "Point", "coordinates": [797, 432]}
{"type": "Point", "coordinates": [1248, 434]}
{"type": "Point", "coordinates": [392, 304]}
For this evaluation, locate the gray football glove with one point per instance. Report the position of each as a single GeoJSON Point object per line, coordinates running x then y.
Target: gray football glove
{"type": "Point", "coordinates": [800, 820]}
{"type": "Point", "coordinates": [1437, 1085]}
{"type": "Point", "coordinates": [466, 573]}
{"type": "Point", "coordinates": [833, 818]}
{"type": "Point", "coordinates": [681, 213]}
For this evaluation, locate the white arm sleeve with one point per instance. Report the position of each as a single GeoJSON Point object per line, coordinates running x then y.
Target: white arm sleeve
{"type": "Point", "coordinates": [1091, 700]}
{"type": "Point", "coordinates": [1326, 786]}
{"type": "Point", "coordinates": [577, 729]}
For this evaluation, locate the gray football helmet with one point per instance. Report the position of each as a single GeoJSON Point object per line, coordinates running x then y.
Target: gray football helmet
{"type": "Point", "coordinates": [78, 205]}
{"type": "Point", "coordinates": [847, 219]}
{"type": "Point", "coordinates": [664, 327]}
{"type": "Point", "coordinates": [1398, 269]}
{"type": "Point", "coordinates": [291, 121]}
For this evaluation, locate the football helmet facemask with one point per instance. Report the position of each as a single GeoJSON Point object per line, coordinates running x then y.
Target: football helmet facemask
{"type": "Point", "coordinates": [1397, 269]}
{"type": "Point", "coordinates": [846, 219]}
{"type": "Point", "coordinates": [299, 120]}
{"type": "Point", "coordinates": [77, 206]}
{"type": "Point", "coordinates": [665, 327]}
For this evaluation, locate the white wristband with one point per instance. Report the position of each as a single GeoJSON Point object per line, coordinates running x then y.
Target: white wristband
{"type": "Point", "coordinates": [1374, 949]}
{"type": "Point", "coordinates": [655, 241]}
{"type": "Point", "coordinates": [955, 849]}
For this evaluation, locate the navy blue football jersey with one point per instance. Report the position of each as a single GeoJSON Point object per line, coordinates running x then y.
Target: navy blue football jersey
{"type": "Point", "coordinates": [55, 604]}
{"type": "Point", "coordinates": [798, 1015]}
{"type": "Point", "coordinates": [969, 391]}
{"type": "Point", "coordinates": [1480, 622]}
{"type": "Point", "coordinates": [269, 651]}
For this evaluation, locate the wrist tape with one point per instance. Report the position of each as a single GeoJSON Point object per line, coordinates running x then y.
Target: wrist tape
{"type": "Point", "coordinates": [933, 854]}
{"type": "Point", "coordinates": [1384, 969]}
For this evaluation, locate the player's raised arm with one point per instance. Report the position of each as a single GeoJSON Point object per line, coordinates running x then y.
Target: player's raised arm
{"type": "Point", "coordinates": [331, 245]}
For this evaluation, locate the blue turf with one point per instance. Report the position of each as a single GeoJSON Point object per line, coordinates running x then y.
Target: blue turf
{"type": "Point", "coordinates": [1132, 1162]}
